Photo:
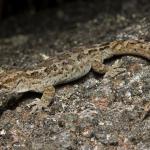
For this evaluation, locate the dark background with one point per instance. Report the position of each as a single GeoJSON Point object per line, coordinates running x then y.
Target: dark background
{"type": "Point", "coordinates": [13, 7]}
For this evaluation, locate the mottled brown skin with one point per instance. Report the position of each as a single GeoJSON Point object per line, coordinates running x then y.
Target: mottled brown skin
{"type": "Point", "coordinates": [66, 67]}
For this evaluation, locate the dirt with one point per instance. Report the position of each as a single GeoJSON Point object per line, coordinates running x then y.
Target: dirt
{"type": "Point", "coordinates": [96, 112]}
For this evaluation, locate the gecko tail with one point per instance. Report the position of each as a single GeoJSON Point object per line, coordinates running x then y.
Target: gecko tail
{"type": "Point", "coordinates": [131, 47]}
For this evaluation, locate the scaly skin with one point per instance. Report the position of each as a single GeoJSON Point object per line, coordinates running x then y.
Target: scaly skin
{"type": "Point", "coordinates": [66, 67]}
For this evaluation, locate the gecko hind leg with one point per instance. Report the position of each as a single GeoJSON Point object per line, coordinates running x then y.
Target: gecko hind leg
{"type": "Point", "coordinates": [101, 68]}
{"type": "Point", "coordinates": [45, 100]}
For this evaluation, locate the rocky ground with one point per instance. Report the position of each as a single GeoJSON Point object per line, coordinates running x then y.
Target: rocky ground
{"type": "Point", "coordinates": [97, 112]}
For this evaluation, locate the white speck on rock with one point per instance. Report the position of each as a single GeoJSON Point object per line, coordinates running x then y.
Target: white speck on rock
{"type": "Point", "coordinates": [2, 132]}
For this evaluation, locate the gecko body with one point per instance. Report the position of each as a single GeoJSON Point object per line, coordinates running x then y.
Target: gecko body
{"type": "Point", "coordinates": [66, 67]}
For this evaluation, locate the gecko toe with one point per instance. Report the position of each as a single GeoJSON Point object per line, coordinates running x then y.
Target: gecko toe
{"type": "Point", "coordinates": [37, 106]}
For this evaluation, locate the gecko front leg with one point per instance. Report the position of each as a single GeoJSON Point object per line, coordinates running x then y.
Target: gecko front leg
{"type": "Point", "coordinates": [45, 100]}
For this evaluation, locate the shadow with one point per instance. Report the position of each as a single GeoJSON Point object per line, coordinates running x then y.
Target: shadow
{"type": "Point", "coordinates": [15, 100]}
{"type": "Point", "coordinates": [56, 17]}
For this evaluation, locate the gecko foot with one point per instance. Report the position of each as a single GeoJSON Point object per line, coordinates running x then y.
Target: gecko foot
{"type": "Point", "coordinates": [146, 111]}
{"type": "Point", "coordinates": [45, 100]}
{"type": "Point", "coordinates": [37, 106]}
{"type": "Point", "coordinates": [113, 72]}
{"type": "Point", "coordinates": [115, 69]}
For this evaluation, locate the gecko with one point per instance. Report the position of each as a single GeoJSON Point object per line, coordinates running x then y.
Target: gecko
{"type": "Point", "coordinates": [66, 67]}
